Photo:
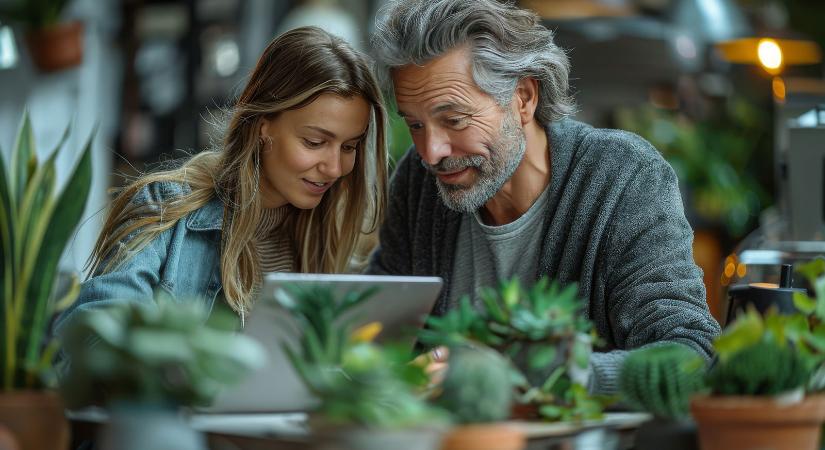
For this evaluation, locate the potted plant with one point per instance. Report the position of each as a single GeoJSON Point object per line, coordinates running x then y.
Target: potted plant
{"type": "Point", "coordinates": [543, 332]}
{"type": "Point", "coordinates": [371, 396]}
{"type": "Point", "coordinates": [36, 222]}
{"type": "Point", "coordinates": [760, 386]}
{"type": "Point", "coordinates": [147, 362]}
{"type": "Point", "coordinates": [661, 379]}
{"type": "Point", "coordinates": [477, 390]}
{"type": "Point", "coordinates": [53, 45]}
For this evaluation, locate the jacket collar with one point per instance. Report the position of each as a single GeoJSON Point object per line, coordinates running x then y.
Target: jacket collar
{"type": "Point", "coordinates": [209, 217]}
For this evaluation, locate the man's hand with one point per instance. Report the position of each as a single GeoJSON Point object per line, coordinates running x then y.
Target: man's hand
{"type": "Point", "coordinates": [436, 364]}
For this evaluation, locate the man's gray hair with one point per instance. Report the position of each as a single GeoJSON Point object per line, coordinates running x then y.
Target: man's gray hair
{"type": "Point", "coordinates": [507, 45]}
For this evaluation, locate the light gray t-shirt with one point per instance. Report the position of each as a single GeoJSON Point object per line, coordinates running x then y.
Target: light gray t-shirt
{"type": "Point", "coordinates": [486, 254]}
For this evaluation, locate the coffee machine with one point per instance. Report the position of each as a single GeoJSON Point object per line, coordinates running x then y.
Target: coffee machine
{"type": "Point", "coordinates": [793, 232]}
{"type": "Point", "coordinates": [764, 297]}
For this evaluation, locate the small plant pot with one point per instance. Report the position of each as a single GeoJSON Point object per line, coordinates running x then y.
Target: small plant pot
{"type": "Point", "coordinates": [35, 419]}
{"type": "Point", "coordinates": [56, 48]}
{"type": "Point", "coordinates": [740, 423]}
{"type": "Point", "coordinates": [7, 440]}
{"type": "Point", "coordinates": [484, 437]}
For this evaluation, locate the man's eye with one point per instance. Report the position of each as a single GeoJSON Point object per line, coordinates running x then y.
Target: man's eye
{"type": "Point", "coordinates": [312, 144]}
{"type": "Point", "coordinates": [456, 121]}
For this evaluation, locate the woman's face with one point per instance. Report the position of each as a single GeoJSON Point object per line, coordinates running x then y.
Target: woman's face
{"type": "Point", "coordinates": [306, 150]}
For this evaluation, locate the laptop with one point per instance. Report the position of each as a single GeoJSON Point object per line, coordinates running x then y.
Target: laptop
{"type": "Point", "coordinates": [401, 305]}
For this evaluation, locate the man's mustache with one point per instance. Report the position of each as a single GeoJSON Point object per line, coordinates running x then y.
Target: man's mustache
{"type": "Point", "coordinates": [455, 164]}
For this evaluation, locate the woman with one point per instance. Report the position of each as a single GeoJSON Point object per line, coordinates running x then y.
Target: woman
{"type": "Point", "coordinates": [299, 182]}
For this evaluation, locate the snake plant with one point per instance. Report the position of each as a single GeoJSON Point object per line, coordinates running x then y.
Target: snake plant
{"type": "Point", "coordinates": [36, 222]}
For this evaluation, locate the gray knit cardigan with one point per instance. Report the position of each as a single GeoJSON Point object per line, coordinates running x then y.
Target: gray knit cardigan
{"type": "Point", "coordinates": [615, 225]}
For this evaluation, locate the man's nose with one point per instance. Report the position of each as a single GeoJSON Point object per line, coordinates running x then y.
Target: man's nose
{"type": "Point", "coordinates": [436, 146]}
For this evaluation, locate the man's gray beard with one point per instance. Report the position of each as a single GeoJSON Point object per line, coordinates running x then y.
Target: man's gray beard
{"type": "Point", "coordinates": [491, 174]}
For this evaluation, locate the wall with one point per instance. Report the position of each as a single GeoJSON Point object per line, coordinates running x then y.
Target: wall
{"type": "Point", "coordinates": [85, 96]}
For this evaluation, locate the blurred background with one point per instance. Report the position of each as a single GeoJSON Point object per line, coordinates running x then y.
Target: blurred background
{"type": "Point", "coordinates": [727, 90]}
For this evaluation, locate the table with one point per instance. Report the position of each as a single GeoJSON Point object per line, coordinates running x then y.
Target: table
{"type": "Point", "coordinates": [288, 431]}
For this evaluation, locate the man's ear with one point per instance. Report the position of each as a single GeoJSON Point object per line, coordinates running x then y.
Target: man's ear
{"type": "Point", "coordinates": [527, 99]}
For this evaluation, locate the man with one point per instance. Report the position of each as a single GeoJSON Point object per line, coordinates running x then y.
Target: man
{"type": "Point", "coordinates": [502, 184]}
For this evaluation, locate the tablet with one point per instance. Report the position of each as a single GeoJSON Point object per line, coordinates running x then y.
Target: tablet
{"type": "Point", "coordinates": [401, 305]}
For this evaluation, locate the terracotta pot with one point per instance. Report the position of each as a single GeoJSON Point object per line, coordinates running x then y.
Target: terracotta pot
{"type": "Point", "coordinates": [56, 48]}
{"type": "Point", "coordinates": [484, 437]}
{"type": "Point", "coordinates": [740, 423]}
{"type": "Point", "coordinates": [36, 419]}
{"type": "Point", "coordinates": [7, 440]}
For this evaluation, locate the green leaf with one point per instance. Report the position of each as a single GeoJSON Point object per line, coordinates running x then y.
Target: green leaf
{"type": "Point", "coordinates": [8, 316]}
{"type": "Point", "coordinates": [747, 330]}
{"type": "Point", "coordinates": [551, 412]}
{"type": "Point", "coordinates": [159, 346]}
{"type": "Point", "coordinates": [819, 287]}
{"type": "Point", "coordinates": [24, 158]}
{"type": "Point", "coordinates": [541, 356]}
{"type": "Point", "coordinates": [812, 270]}
{"type": "Point", "coordinates": [581, 353]}
{"type": "Point", "coordinates": [510, 293]}
{"type": "Point", "coordinates": [551, 380]}
{"type": "Point", "coordinates": [803, 303]}
{"type": "Point", "coordinates": [490, 301]}
{"type": "Point", "coordinates": [60, 224]}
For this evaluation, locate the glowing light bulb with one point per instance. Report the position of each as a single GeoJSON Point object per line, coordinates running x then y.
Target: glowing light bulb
{"type": "Point", "coordinates": [770, 54]}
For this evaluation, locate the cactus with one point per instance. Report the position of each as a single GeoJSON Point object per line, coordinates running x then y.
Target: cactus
{"type": "Point", "coordinates": [477, 387]}
{"type": "Point", "coordinates": [763, 368]}
{"type": "Point", "coordinates": [661, 379]}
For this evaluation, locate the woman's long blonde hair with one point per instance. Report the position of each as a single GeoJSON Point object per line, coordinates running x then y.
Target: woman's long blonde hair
{"type": "Point", "coordinates": [293, 71]}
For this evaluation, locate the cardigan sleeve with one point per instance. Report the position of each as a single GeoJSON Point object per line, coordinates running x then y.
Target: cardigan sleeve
{"type": "Point", "coordinates": [654, 289]}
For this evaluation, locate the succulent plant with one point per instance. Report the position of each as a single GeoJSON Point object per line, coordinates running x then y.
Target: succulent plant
{"type": "Point", "coordinates": [164, 353]}
{"type": "Point", "coordinates": [543, 332]}
{"type": "Point", "coordinates": [477, 387]}
{"type": "Point", "coordinates": [357, 381]}
{"type": "Point", "coordinates": [764, 368]}
{"type": "Point", "coordinates": [661, 379]}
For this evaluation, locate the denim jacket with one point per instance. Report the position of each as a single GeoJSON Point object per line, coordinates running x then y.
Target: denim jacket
{"type": "Point", "coordinates": [182, 263]}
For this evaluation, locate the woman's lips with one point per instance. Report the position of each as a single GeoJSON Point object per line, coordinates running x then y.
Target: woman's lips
{"type": "Point", "coordinates": [315, 188]}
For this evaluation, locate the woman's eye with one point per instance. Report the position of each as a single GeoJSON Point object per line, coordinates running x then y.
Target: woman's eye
{"type": "Point", "coordinates": [349, 148]}
{"type": "Point", "coordinates": [415, 126]}
{"type": "Point", "coordinates": [312, 144]}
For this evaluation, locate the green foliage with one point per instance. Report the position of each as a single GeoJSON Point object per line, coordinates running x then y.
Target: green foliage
{"type": "Point", "coordinates": [764, 368]}
{"type": "Point", "coordinates": [712, 157]}
{"type": "Point", "coordinates": [399, 134]}
{"type": "Point", "coordinates": [541, 330]}
{"type": "Point", "coordinates": [477, 387]}
{"type": "Point", "coordinates": [36, 222]}
{"type": "Point", "coordinates": [660, 379]}
{"type": "Point", "coordinates": [34, 14]}
{"type": "Point", "coordinates": [357, 381]}
{"type": "Point", "coordinates": [160, 353]}
{"type": "Point", "coordinates": [319, 316]}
